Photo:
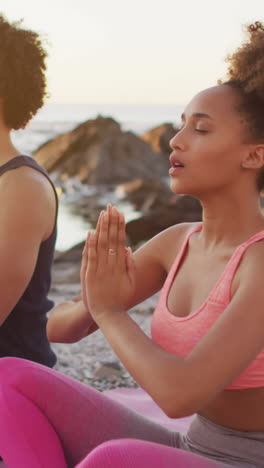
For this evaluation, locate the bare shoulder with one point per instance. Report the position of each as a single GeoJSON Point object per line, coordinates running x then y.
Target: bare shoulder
{"type": "Point", "coordinates": [25, 178]}
{"type": "Point", "coordinates": [176, 232]}
{"type": "Point", "coordinates": [28, 188]}
{"type": "Point", "coordinates": [253, 257]}
{"type": "Point", "coordinates": [165, 246]}
{"type": "Point", "coordinates": [250, 271]}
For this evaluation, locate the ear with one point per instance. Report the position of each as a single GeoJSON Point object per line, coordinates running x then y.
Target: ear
{"type": "Point", "coordinates": [254, 158]}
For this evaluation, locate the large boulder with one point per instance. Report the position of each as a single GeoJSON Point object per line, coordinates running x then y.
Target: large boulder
{"type": "Point", "coordinates": [160, 208]}
{"type": "Point", "coordinates": [146, 194]}
{"type": "Point", "coordinates": [179, 209]}
{"type": "Point", "coordinates": [99, 152]}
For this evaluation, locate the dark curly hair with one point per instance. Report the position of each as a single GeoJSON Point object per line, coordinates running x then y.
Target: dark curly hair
{"type": "Point", "coordinates": [22, 73]}
{"type": "Point", "coordinates": [246, 76]}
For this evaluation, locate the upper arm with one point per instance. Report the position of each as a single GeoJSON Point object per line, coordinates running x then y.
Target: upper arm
{"type": "Point", "coordinates": [26, 216]}
{"type": "Point", "coordinates": [236, 337]}
{"type": "Point", "coordinates": [153, 260]}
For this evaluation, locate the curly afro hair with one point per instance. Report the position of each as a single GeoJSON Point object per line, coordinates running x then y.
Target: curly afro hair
{"type": "Point", "coordinates": [246, 76]}
{"type": "Point", "coordinates": [247, 63]}
{"type": "Point", "coordinates": [22, 73]}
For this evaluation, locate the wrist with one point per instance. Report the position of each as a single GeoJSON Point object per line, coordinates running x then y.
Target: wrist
{"type": "Point", "coordinates": [104, 316]}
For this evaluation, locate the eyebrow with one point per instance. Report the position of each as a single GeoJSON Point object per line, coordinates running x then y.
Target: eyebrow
{"type": "Point", "coordinates": [198, 115]}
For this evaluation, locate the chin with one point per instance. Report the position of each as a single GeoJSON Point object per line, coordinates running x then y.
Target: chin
{"type": "Point", "coordinates": [180, 188]}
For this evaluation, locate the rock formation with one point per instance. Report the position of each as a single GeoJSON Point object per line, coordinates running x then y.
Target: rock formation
{"type": "Point", "coordinates": [99, 152]}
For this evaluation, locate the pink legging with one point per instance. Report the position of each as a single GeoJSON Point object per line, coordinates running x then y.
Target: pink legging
{"type": "Point", "coordinates": [49, 420]}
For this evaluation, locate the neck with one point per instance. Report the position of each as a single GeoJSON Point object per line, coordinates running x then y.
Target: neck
{"type": "Point", "coordinates": [7, 149]}
{"type": "Point", "coordinates": [231, 217]}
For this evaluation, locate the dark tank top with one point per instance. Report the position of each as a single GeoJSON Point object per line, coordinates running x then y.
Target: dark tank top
{"type": "Point", "coordinates": [23, 334]}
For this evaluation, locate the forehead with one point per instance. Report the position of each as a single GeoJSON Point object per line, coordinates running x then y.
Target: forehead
{"type": "Point", "coordinates": [218, 102]}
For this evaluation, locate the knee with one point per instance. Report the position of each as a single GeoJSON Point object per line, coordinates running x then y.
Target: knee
{"type": "Point", "coordinates": [6, 361]}
{"type": "Point", "coordinates": [111, 453]}
{"type": "Point", "coordinates": [13, 370]}
{"type": "Point", "coordinates": [7, 364]}
{"type": "Point", "coordinates": [122, 453]}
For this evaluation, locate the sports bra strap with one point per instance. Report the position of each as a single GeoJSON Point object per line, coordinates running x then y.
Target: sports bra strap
{"type": "Point", "coordinates": [222, 292]}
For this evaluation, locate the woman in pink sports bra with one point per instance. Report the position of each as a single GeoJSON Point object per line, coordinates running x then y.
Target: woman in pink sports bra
{"type": "Point", "coordinates": [206, 355]}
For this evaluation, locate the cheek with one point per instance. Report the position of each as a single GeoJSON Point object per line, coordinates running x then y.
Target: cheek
{"type": "Point", "coordinates": [220, 169]}
{"type": "Point", "coordinates": [219, 155]}
{"type": "Point", "coordinates": [216, 170]}
{"type": "Point", "coordinates": [211, 169]}
{"type": "Point", "coordinates": [210, 163]}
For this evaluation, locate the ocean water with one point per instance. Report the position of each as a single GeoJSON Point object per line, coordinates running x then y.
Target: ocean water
{"type": "Point", "coordinates": [55, 119]}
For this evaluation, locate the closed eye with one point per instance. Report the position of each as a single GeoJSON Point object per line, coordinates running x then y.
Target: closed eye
{"type": "Point", "coordinates": [196, 129]}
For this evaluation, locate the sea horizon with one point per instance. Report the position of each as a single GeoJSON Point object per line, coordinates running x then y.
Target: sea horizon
{"type": "Point", "coordinates": [57, 118]}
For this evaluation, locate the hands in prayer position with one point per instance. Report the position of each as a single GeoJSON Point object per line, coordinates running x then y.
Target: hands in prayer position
{"type": "Point", "coordinates": [107, 270]}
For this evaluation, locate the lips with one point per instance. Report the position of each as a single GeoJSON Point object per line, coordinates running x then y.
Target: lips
{"type": "Point", "coordinates": [175, 161]}
{"type": "Point", "coordinates": [176, 165]}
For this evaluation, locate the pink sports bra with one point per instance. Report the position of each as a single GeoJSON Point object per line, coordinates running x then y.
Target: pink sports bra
{"type": "Point", "coordinates": [179, 335]}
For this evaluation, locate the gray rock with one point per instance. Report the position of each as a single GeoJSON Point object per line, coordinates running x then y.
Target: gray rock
{"type": "Point", "coordinates": [178, 209]}
{"type": "Point", "coordinates": [159, 138]}
{"type": "Point", "coordinates": [108, 370]}
{"type": "Point", "coordinates": [99, 152]}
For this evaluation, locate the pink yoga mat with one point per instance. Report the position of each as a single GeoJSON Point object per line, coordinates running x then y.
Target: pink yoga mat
{"type": "Point", "coordinates": [138, 400]}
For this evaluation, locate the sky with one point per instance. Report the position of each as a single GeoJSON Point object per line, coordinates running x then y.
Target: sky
{"type": "Point", "coordinates": [134, 52]}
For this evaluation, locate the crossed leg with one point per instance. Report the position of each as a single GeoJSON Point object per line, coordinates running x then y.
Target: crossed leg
{"type": "Point", "coordinates": [53, 420]}
{"type": "Point", "coordinates": [128, 453]}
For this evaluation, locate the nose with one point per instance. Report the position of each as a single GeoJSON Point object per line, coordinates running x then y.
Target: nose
{"type": "Point", "coordinates": [177, 141]}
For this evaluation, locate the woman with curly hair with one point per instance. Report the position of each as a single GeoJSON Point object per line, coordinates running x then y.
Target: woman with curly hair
{"type": "Point", "coordinates": [28, 203]}
{"type": "Point", "coordinates": [206, 355]}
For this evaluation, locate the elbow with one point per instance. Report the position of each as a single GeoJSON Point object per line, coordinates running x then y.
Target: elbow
{"type": "Point", "coordinates": [50, 333]}
{"type": "Point", "coordinates": [180, 403]}
{"type": "Point", "coordinates": [185, 394]}
{"type": "Point", "coordinates": [59, 339]}
{"type": "Point", "coordinates": [55, 337]}
{"type": "Point", "coordinates": [176, 409]}
{"type": "Point", "coordinates": [51, 336]}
